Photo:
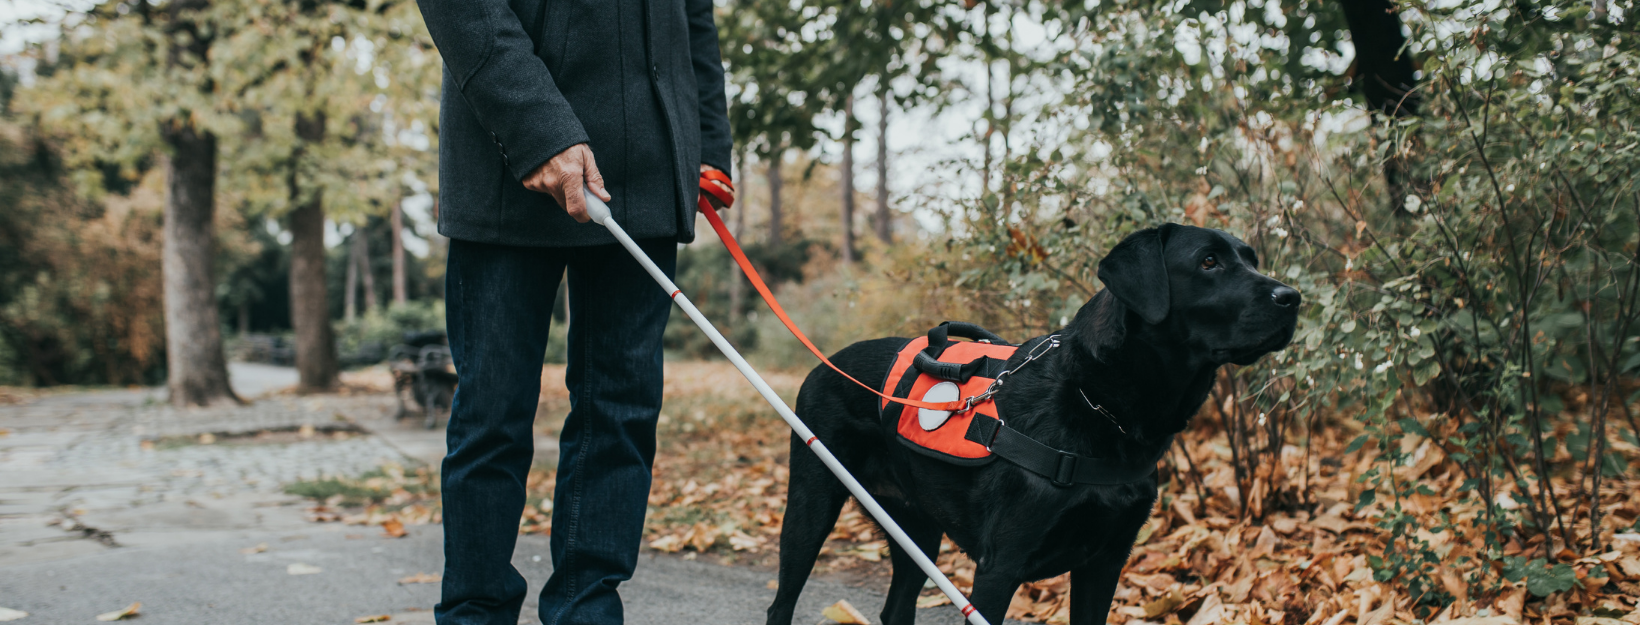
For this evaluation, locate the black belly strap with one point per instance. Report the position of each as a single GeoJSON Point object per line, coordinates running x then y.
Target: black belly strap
{"type": "Point", "coordinates": [1061, 467]}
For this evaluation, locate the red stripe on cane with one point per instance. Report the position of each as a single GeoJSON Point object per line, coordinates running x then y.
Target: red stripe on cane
{"type": "Point", "coordinates": [675, 293]}
{"type": "Point", "coordinates": [968, 609]}
{"type": "Point", "coordinates": [811, 440]}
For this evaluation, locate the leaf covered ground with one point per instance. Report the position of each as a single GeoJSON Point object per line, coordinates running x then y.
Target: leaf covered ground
{"type": "Point", "coordinates": [1304, 550]}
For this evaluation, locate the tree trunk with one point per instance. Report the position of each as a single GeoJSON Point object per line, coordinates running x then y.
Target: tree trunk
{"type": "Point", "coordinates": [197, 371]}
{"type": "Point", "coordinates": [367, 277]}
{"type": "Point", "coordinates": [400, 294]}
{"type": "Point", "coordinates": [309, 306]}
{"type": "Point", "coordinates": [350, 284]}
{"type": "Point", "coordinates": [990, 125]}
{"type": "Point", "coordinates": [1383, 72]}
{"type": "Point", "coordinates": [774, 197]}
{"type": "Point", "coordinates": [738, 229]}
{"type": "Point", "coordinates": [883, 216]}
{"type": "Point", "coordinates": [848, 180]}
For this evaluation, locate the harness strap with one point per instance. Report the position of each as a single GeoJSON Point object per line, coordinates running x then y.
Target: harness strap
{"type": "Point", "coordinates": [768, 297]}
{"type": "Point", "coordinates": [1061, 467]}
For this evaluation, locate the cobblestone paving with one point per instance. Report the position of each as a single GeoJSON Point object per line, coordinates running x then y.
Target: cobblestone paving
{"type": "Point", "coordinates": [123, 462]}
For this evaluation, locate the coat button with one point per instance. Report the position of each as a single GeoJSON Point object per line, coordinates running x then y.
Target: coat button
{"type": "Point", "coordinates": [655, 72]}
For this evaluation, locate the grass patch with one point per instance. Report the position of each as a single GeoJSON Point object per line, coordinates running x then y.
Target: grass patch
{"type": "Point", "coordinates": [351, 493]}
{"type": "Point", "coordinates": [389, 487]}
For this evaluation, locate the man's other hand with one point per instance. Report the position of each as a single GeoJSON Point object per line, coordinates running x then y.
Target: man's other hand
{"type": "Point", "coordinates": [716, 203]}
{"type": "Point", "coordinates": [564, 175]}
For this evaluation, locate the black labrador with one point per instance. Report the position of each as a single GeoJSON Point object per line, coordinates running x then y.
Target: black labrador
{"type": "Point", "coordinates": [1179, 302]}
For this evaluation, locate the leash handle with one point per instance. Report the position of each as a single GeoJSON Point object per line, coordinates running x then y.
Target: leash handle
{"type": "Point", "coordinates": [768, 298]}
{"type": "Point", "coordinates": [707, 178]}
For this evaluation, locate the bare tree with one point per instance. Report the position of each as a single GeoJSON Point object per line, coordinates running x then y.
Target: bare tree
{"type": "Point", "coordinates": [350, 284]}
{"type": "Point", "coordinates": [1384, 73]}
{"type": "Point", "coordinates": [367, 277]}
{"type": "Point", "coordinates": [197, 370]}
{"type": "Point", "coordinates": [775, 156]}
{"type": "Point", "coordinates": [738, 229]}
{"type": "Point", "coordinates": [316, 365]}
{"type": "Point", "coordinates": [400, 293]}
{"type": "Point", "coordinates": [847, 174]}
{"type": "Point", "coordinates": [884, 218]}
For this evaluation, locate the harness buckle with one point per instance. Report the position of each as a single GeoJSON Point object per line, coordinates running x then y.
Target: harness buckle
{"type": "Point", "coordinates": [1065, 474]}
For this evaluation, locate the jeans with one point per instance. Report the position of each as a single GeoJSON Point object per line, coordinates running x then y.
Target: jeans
{"type": "Point", "coordinates": [499, 302]}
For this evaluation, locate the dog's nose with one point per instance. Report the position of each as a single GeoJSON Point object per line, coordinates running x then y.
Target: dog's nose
{"type": "Point", "coordinates": [1286, 296]}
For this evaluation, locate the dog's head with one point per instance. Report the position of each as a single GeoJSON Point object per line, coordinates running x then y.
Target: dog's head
{"type": "Point", "coordinates": [1200, 290]}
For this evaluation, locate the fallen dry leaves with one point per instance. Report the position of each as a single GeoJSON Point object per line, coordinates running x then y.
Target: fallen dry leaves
{"type": "Point", "coordinates": [401, 498]}
{"type": "Point", "coordinates": [1295, 554]}
{"type": "Point", "coordinates": [119, 615]}
{"type": "Point", "coordinates": [376, 618]}
{"type": "Point", "coordinates": [393, 528]}
{"type": "Point", "coordinates": [421, 578]}
{"type": "Point", "coordinates": [298, 568]}
{"type": "Point", "coordinates": [1298, 557]}
{"type": "Point", "coordinates": [844, 613]}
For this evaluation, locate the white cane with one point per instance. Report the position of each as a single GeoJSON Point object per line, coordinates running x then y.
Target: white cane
{"type": "Point", "coordinates": [599, 212]}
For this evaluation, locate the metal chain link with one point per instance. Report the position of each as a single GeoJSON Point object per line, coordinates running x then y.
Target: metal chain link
{"type": "Point", "coordinates": [1041, 349]}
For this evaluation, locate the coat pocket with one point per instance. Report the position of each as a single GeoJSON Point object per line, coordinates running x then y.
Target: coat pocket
{"type": "Point", "coordinates": [549, 34]}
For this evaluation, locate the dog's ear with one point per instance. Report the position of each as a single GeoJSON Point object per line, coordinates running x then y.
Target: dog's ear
{"type": "Point", "coordinates": [1135, 273]}
{"type": "Point", "coordinates": [1100, 326]}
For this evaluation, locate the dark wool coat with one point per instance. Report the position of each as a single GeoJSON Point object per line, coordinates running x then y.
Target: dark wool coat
{"type": "Point", "coordinates": [640, 81]}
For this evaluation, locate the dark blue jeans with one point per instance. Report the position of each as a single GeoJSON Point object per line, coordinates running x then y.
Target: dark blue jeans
{"type": "Point", "coordinates": [499, 303]}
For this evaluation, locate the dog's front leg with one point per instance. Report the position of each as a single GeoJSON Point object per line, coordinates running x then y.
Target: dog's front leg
{"type": "Point", "coordinates": [994, 588]}
{"type": "Point", "coordinates": [900, 608]}
{"type": "Point", "coordinates": [1093, 587]}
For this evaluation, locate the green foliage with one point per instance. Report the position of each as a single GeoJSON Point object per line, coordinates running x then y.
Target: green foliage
{"type": "Point", "coordinates": [122, 77]}
{"type": "Point", "coordinates": [1482, 299]}
{"type": "Point", "coordinates": [704, 268]}
{"type": "Point", "coordinates": [369, 337]}
{"type": "Point", "coordinates": [250, 70]}
{"type": "Point", "coordinates": [79, 285]}
{"type": "Point", "coordinates": [1541, 579]}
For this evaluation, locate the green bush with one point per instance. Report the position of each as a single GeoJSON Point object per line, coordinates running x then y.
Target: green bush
{"type": "Point", "coordinates": [80, 292]}
{"type": "Point", "coordinates": [1469, 267]}
{"type": "Point", "coordinates": [369, 337]}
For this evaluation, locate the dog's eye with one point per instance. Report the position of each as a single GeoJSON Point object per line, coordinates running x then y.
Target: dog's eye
{"type": "Point", "coordinates": [1210, 262]}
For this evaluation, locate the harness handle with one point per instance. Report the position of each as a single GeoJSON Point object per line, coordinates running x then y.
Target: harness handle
{"type": "Point", "coordinates": [768, 297]}
{"type": "Point", "coordinates": [962, 329]}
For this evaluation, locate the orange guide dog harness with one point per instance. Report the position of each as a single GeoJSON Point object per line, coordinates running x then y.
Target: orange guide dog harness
{"type": "Point", "coordinates": [935, 369]}
{"type": "Point", "coordinates": [940, 433]}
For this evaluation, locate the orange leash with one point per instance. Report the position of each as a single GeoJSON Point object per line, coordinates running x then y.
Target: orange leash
{"type": "Point", "coordinates": [729, 241]}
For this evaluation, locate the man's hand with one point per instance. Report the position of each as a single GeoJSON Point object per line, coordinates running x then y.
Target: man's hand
{"type": "Point", "coordinates": [717, 204]}
{"type": "Point", "coordinates": [564, 175]}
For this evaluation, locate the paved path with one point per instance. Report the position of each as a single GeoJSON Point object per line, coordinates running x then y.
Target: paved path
{"type": "Point", "coordinates": [211, 582]}
{"type": "Point", "coordinates": [109, 497]}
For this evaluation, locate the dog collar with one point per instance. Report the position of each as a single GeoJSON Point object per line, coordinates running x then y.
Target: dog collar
{"type": "Point", "coordinates": [1100, 408]}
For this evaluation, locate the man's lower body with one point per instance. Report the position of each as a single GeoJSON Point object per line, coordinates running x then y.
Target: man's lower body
{"type": "Point", "coordinates": [499, 302]}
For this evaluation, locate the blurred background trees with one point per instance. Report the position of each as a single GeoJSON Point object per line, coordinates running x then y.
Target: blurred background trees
{"type": "Point", "coordinates": [254, 115]}
{"type": "Point", "coordinates": [1452, 184]}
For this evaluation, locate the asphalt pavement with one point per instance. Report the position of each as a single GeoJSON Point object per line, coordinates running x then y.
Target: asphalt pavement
{"type": "Point", "coordinates": [110, 497]}
{"type": "Point", "coordinates": [211, 582]}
